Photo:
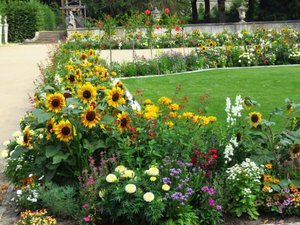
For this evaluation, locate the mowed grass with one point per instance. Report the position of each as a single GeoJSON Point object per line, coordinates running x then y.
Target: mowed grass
{"type": "Point", "coordinates": [269, 86]}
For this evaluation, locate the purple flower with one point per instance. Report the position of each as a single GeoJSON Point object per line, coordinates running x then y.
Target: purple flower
{"type": "Point", "coordinates": [211, 201]}
{"type": "Point", "coordinates": [218, 207]}
{"type": "Point", "coordinates": [166, 180]}
{"type": "Point", "coordinates": [204, 189]}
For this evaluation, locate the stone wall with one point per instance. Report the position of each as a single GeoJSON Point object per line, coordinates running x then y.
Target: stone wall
{"type": "Point", "coordinates": [219, 27]}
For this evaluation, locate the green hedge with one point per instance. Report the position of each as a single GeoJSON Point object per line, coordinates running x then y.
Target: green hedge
{"type": "Point", "coordinates": [25, 18]}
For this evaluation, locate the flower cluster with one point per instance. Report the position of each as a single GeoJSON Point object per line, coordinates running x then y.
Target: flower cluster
{"type": "Point", "coordinates": [36, 217]}
{"type": "Point", "coordinates": [233, 111]}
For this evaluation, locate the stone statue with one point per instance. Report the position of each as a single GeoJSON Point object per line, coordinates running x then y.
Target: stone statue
{"type": "Point", "coordinates": [72, 22]}
{"type": "Point", "coordinates": [5, 20]}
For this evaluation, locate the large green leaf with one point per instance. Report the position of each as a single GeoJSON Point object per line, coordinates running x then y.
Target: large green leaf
{"type": "Point", "coordinates": [52, 150]}
{"type": "Point", "coordinates": [41, 115]}
{"type": "Point", "coordinates": [94, 145]}
{"type": "Point", "coordinates": [58, 158]}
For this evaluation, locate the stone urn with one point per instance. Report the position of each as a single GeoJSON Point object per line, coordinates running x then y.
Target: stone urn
{"type": "Point", "coordinates": [242, 13]}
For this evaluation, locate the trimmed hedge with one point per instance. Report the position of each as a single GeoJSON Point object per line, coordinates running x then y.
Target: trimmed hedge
{"type": "Point", "coordinates": [25, 18]}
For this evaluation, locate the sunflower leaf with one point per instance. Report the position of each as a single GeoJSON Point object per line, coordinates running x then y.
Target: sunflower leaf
{"type": "Point", "coordinates": [92, 146]}
{"type": "Point", "coordinates": [18, 151]}
{"type": "Point", "coordinates": [49, 88]}
{"type": "Point", "coordinates": [60, 157]}
{"type": "Point", "coordinates": [52, 150]}
{"type": "Point", "coordinates": [41, 115]}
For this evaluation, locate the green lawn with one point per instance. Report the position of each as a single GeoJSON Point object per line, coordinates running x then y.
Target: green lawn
{"type": "Point", "coordinates": [268, 86]}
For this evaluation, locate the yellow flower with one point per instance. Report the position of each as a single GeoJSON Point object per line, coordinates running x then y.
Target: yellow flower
{"type": "Point", "coordinates": [174, 107]}
{"type": "Point", "coordinates": [147, 102]}
{"type": "Point", "coordinates": [276, 180]}
{"type": "Point", "coordinates": [268, 166]}
{"type": "Point", "coordinates": [64, 130]}
{"type": "Point", "coordinates": [212, 119]}
{"type": "Point", "coordinates": [26, 139]}
{"type": "Point", "coordinates": [55, 102]}
{"type": "Point", "coordinates": [148, 197]}
{"type": "Point", "coordinates": [153, 171]}
{"type": "Point", "coordinates": [165, 187]}
{"type": "Point", "coordinates": [128, 174]}
{"type": "Point", "coordinates": [172, 115]}
{"type": "Point", "coordinates": [165, 101]}
{"type": "Point", "coordinates": [187, 115]}
{"type": "Point", "coordinates": [151, 112]}
{"type": "Point", "coordinates": [87, 93]}
{"type": "Point", "coordinates": [123, 120]}
{"type": "Point", "coordinates": [255, 119]}
{"type": "Point", "coordinates": [130, 188]}
{"type": "Point", "coordinates": [102, 193]}
{"type": "Point", "coordinates": [111, 178]}
{"type": "Point", "coordinates": [153, 179]}
{"type": "Point", "coordinates": [115, 97]}
{"type": "Point", "coordinates": [113, 73]}
{"type": "Point", "coordinates": [50, 128]}
{"type": "Point", "coordinates": [268, 178]}
{"type": "Point", "coordinates": [170, 124]}
{"type": "Point", "coordinates": [90, 117]}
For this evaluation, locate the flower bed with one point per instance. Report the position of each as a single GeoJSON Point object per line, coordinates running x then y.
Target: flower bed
{"type": "Point", "coordinates": [84, 152]}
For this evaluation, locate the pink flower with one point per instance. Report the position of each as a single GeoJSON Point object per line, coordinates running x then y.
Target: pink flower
{"type": "Point", "coordinates": [86, 219]}
{"type": "Point", "coordinates": [167, 10]}
{"type": "Point", "coordinates": [147, 12]}
{"type": "Point", "coordinates": [211, 191]}
{"type": "Point", "coordinates": [218, 207]}
{"type": "Point", "coordinates": [211, 201]}
{"type": "Point", "coordinates": [85, 205]}
{"type": "Point", "coordinates": [147, 22]}
{"type": "Point", "coordinates": [157, 27]}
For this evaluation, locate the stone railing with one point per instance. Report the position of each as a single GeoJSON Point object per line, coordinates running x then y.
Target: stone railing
{"type": "Point", "coordinates": [217, 27]}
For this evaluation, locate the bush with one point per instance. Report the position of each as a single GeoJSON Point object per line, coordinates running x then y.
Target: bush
{"type": "Point", "coordinates": [25, 18]}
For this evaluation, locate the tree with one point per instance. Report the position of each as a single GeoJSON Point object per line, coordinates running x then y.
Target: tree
{"type": "Point", "coordinates": [194, 11]}
{"type": "Point", "coordinates": [221, 7]}
{"type": "Point", "coordinates": [207, 11]}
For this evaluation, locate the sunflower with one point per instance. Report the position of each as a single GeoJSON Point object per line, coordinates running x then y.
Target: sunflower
{"type": "Point", "coordinates": [72, 78]}
{"type": "Point", "coordinates": [255, 119]}
{"type": "Point", "coordinates": [78, 73]}
{"type": "Point", "coordinates": [258, 51]}
{"type": "Point", "coordinates": [247, 103]}
{"type": "Point", "coordinates": [49, 127]}
{"type": "Point", "coordinates": [123, 120]}
{"type": "Point", "coordinates": [120, 85]}
{"type": "Point", "coordinates": [91, 52]}
{"type": "Point", "coordinates": [83, 56]}
{"type": "Point", "coordinates": [68, 92]}
{"type": "Point", "coordinates": [87, 93]}
{"type": "Point", "coordinates": [27, 137]}
{"type": "Point", "coordinates": [64, 130]}
{"type": "Point", "coordinates": [115, 97]}
{"type": "Point", "coordinates": [203, 48]}
{"type": "Point", "coordinates": [55, 102]}
{"type": "Point", "coordinates": [90, 117]}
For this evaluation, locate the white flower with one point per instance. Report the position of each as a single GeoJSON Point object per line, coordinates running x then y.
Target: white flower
{"type": "Point", "coordinates": [19, 192]}
{"type": "Point", "coordinates": [17, 134]}
{"type": "Point", "coordinates": [3, 154]}
{"type": "Point", "coordinates": [148, 197]}
{"type": "Point", "coordinates": [120, 169]}
{"type": "Point", "coordinates": [20, 140]}
{"type": "Point", "coordinates": [57, 79]}
{"type": "Point", "coordinates": [130, 188]}
{"type": "Point", "coordinates": [153, 171]}
{"type": "Point", "coordinates": [128, 174]}
{"type": "Point", "coordinates": [111, 178]}
{"type": "Point", "coordinates": [6, 143]}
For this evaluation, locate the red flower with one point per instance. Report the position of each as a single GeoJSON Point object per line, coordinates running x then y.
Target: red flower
{"type": "Point", "coordinates": [194, 160]}
{"type": "Point", "coordinates": [147, 22]}
{"type": "Point", "coordinates": [213, 151]}
{"type": "Point", "coordinates": [167, 10]}
{"type": "Point", "coordinates": [147, 12]}
{"type": "Point", "coordinates": [107, 16]}
{"type": "Point", "coordinates": [215, 156]}
{"type": "Point", "coordinates": [177, 28]}
{"type": "Point", "coordinates": [99, 24]}
{"type": "Point", "coordinates": [157, 27]}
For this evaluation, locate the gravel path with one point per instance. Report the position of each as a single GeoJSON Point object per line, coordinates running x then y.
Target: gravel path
{"type": "Point", "coordinates": [18, 70]}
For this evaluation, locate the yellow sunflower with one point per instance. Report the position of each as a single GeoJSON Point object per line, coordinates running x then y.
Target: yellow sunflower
{"type": "Point", "coordinates": [27, 137]}
{"type": "Point", "coordinates": [72, 78]}
{"type": "Point", "coordinates": [68, 92]}
{"type": "Point", "coordinates": [55, 102]}
{"type": "Point", "coordinates": [258, 51]}
{"type": "Point", "coordinates": [83, 56]}
{"type": "Point", "coordinates": [123, 120]}
{"type": "Point", "coordinates": [120, 85]}
{"type": "Point", "coordinates": [247, 103]}
{"type": "Point", "coordinates": [78, 73]}
{"type": "Point", "coordinates": [50, 128]}
{"type": "Point", "coordinates": [255, 119]}
{"type": "Point", "coordinates": [115, 97]}
{"type": "Point", "coordinates": [90, 117]}
{"type": "Point", "coordinates": [64, 130]}
{"type": "Point", "coordinates": [87, 93]}
{"type": "Point", "coordinates": [91, 52]}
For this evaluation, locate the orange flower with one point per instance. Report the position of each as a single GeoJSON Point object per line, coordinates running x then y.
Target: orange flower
{"type": "Point", "coordinates": [268, 166]}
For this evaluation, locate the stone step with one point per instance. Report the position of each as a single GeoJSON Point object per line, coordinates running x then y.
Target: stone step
{"type": "Point", "coordinates": [44, 37]}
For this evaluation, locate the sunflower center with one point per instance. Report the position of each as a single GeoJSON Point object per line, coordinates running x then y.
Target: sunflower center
{"type": "Point", "coordinates": [49, 128]}
{"type": "Point", "coordinates": [66, 131]}
{"type": "Point", "coordinates": [77, 72]}
{"type": "Point", "coordinates": [115, 97]}
{"type": "Point", "coordinates": [87, 94]}
{"type": "Point", "coordinates": [72, 78]}
{"type": "Point", "coordinates": [90, 116]}
{"type": "Point", "coordinates": [26, 138]}
{"type": "Point", "coordinates": [254, 118]}
{"type": "Point", "coordinates": [296, 149]}
{"type": "Point", "coordinates": [124, 122]}
{"type": "Point", "coordinates": [55, 102]}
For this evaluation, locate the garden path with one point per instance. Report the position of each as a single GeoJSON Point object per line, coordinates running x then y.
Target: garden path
{"type": "Point", "coordinates": [18, 69]}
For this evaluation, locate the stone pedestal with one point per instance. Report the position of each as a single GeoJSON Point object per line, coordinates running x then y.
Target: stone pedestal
{"type": "Point", "coordinates": [5, 31]}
